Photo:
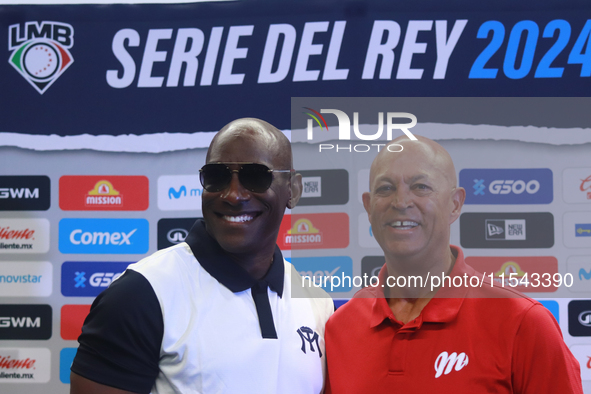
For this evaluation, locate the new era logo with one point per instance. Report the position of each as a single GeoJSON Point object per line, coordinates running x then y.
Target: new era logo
{"type": "Point", "coordinates": [505, 229]}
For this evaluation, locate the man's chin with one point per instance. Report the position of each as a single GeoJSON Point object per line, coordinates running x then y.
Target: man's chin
{"type": "Point", "coordinates": [401, 249]}
{"type": "Point", "coordinates": [238, 246]}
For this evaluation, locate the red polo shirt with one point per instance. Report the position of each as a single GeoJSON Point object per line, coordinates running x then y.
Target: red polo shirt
{"type": "Point", "coordinates": [470, 344]}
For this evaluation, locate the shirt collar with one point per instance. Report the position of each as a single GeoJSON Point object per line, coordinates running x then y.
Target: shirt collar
{"type": "Point", "coordinates": [218, 264]}
{"type": "Point", "coordinates": [443, 308]}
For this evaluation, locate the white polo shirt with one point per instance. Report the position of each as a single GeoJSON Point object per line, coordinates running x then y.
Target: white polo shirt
{"type": "Point", "coordinates": [219, 330]}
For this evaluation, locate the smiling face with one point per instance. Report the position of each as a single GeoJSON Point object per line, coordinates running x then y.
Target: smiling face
{"type": "Point", "coordinates": [413, 200]}
{"type": "Point", "coordinates": [245, 222]}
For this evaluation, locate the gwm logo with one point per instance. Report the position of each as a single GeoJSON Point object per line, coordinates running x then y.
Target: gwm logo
{"type": "Point", "coordinates": [40, 51]}
{"type": "Point", "coordinates": [445, 363]}
{"type": "Point", "coordinates": [345, 130]}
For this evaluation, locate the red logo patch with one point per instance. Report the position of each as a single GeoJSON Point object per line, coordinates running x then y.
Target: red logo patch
{"type": "Point", "coordinates": [314, 231]}
{"type": "Point", "coordinates": [104, 193]}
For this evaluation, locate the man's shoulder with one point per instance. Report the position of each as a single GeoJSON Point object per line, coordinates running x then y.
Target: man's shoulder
{"type": "Point", "coordinates": [319, 299]}
{"type": "Point", "coordinates": [165, 261]}
{"type": "Point", "coordinates": [508, 308]}
{"type": "Point", "coordinates": [301, 288]}
{"type": "Point", "coordinates": [358, 307]}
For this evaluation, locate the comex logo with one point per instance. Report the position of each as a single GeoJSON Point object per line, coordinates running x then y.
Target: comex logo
{"type": "Point", "coordinates": [445, 363]}
{"type": "Point", "coordinates": [41, 53]}
{"type": "Point", "coordinates": [309, 336]}
{"type": "Point", "coordinates": [506, 187]}
{"type": "Point", "coordinates": [345, 130]}
{"type": "Point", "coordinates": [320, 276]}
{"type": "Point", "coordinates": [100, 238]}
{"type": "Point", "coordinates": [177, 235]}
{"type": "Point", "coordinates": [585, 318]}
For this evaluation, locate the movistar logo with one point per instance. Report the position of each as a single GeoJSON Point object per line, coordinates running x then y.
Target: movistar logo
{"type": "Point", "coordinates": [584, 274]}
{"type": "Point", "coordinates": [172, 193]}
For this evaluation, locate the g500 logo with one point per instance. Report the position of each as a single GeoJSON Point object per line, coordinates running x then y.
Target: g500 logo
{"type": "Point", "coordinates": [40, 54]}
{"type": "Point", "coordinates": [345, 130]}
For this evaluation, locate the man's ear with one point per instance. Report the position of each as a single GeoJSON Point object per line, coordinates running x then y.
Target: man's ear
{"type": "Point", "coordinates": [366, 197]}
{"type": "Point", "coordinates": [457, 198]}
{"type": "Point", "coordinates": [295, 190]}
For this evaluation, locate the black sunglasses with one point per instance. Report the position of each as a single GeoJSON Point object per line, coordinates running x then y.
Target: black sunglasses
{"type": "Point", "coordinates": [255, 177]}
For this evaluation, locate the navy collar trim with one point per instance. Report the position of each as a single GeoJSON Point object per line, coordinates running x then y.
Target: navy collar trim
{"type": "Point", "coordinates": [218, 264]}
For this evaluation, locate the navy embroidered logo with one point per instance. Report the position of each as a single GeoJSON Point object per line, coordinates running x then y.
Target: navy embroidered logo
{"type": "Point", "coordinates": [309, 336]}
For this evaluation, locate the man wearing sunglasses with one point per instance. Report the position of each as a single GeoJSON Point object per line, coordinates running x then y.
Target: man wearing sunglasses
{"type": "Point", "coordinates": [217, 313]}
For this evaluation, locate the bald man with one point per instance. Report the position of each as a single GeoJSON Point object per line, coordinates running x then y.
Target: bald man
{"type": "Point", "coordinates": [214, 314]}
{"type": "Point", "coordinates": [413, 339]}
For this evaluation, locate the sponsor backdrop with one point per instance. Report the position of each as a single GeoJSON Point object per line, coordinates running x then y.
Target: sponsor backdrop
{"type": "Point", "coordinates": [107, 112]}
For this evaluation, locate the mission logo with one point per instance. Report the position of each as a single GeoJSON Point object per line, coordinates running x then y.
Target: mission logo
{"type": "Point", "coordinates": [104, 193]}
{"type": "Point", "coordinates": [314, 231]}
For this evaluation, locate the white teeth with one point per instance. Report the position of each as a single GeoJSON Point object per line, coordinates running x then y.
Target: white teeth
{"type": "Point", "coordinates": [404, 224]}
{"type": "Point", "coordinates": [238, 219]}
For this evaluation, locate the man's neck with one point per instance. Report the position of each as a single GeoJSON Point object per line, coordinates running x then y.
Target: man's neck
{"type": "Point", "coordinates": [257, 265]}
{"type": "Point", "coordinates": [408, 302]}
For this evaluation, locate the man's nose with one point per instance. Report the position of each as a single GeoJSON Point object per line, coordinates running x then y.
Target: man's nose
{"type": "Point", "coordinates": [402, 199]}
{"type": "Point", "coordinates": [235, 192]}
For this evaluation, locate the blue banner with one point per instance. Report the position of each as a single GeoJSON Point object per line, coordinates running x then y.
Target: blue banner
{"type": "Point", "coordinates": [103, 236]}
{"type": "Point", "coordinates": [165, 70]}
{"type": "Point", "coordinates": [507, 185]}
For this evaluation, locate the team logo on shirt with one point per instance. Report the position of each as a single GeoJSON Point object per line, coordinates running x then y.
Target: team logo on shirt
{"type": "Point", "coordinates": [445, 363]}
{"type": "Point", "coordinates": [310, 337]}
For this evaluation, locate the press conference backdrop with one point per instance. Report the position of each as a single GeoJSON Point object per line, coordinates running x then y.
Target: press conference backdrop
{"type": "Point", "coordinates": [106, 114]}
